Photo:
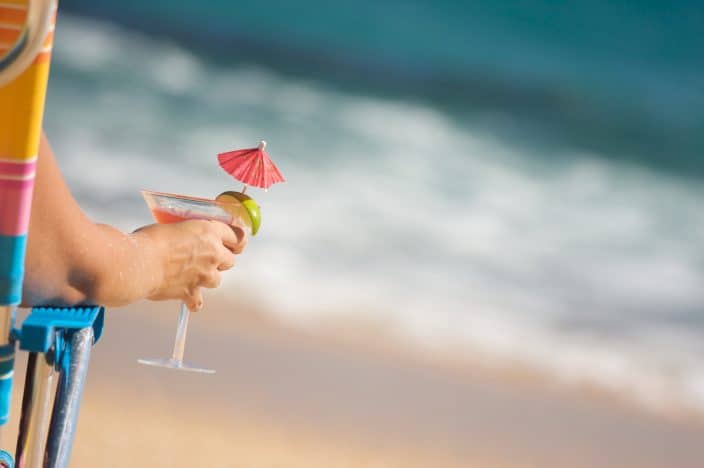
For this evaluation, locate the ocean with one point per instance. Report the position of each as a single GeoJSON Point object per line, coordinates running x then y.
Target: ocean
{"type": "Point", "coordinates": [525, 206]}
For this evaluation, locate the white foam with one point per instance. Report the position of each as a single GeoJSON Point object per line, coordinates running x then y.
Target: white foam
{"type": "Point", "coordinates": [394, 212]}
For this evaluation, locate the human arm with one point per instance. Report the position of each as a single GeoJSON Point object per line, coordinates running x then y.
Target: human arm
{"type": "Point", "coordinates": [72, 260]}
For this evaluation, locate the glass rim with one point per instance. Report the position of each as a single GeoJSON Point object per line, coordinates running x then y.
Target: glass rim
{"type": "Point", "coordinates": [211, 201]}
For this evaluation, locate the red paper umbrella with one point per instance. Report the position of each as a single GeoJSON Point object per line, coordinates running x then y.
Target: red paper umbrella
{"type": "Point", "coordinates": [251, 166]}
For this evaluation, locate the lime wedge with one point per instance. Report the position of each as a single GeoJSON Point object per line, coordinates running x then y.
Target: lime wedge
{"type": "Point", "coordinates": [244, 207]}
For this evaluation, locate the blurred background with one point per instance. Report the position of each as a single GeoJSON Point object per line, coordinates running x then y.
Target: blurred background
{"type": "Point", "coordinates": [488, 251]}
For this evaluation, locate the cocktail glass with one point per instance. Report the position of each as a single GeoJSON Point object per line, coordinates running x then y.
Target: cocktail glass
{"type": "Point", "coordinates": [171, 208]}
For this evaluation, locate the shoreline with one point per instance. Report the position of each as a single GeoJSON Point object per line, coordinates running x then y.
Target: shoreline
{"type": "Point", "coordinates": [375, 340]}
{"type": "Point", "coordinates": [295, 398]}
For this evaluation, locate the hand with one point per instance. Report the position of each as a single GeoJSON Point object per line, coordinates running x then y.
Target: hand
{"type": "Point", "coordinates": [193, 254]}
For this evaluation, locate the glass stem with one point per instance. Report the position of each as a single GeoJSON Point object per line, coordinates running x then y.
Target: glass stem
{"type": "Point", "coordinates": [180, 341]}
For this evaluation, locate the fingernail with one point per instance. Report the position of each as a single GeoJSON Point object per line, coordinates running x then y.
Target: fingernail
{"type": "Point", "coordinates": [240, 233]}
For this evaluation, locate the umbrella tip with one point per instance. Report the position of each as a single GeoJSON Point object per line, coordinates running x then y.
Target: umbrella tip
{"type": "Point", "coordinates": [262, 145]}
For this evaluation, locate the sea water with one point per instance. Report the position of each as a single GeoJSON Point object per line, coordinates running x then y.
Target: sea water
{"type": "Point", "coordinates": [494, 233]}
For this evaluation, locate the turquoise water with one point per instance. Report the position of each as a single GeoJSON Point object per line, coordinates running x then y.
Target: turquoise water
{"type": "Point", "coordinates": [462, 229]}
{"type": "Point", "coordinates": [625, 79]}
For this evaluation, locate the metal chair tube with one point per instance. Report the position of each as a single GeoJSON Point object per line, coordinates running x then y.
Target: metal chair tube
{"type": "Point", "coordinates": [36, 410]}
{"type": "Point", "coordinates": [68, 400]}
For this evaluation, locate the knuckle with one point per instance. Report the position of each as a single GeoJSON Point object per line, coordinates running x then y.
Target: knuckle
{"type": "Point", "coordinates": [200, 224]}
{"type": "Point", "coordinates": [210, 238]}
{"type": "Point", "coordinates": [215, 280]}
{"type": "Point", "coordinates": [227, 264]}
{"type": "Point", "coordinates": [202, 279]}
{"type": "Point", "coordinates": [211, 228]}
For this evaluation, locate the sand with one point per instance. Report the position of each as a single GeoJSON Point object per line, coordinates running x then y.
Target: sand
{"type": "Point", "coordinates": [288, 398]}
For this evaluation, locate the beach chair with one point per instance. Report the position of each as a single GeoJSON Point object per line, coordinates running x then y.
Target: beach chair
{"type": "Point", "coordinates": [58, 340]}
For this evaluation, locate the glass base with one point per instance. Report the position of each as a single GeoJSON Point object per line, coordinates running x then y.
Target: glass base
{"type": "Point", "coordinates": [174, 364]}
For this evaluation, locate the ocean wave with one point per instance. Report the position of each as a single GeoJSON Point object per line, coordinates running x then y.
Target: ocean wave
{"type": "Point", "coordinates": [625, 83]}
{"type": "Point", "coordinates": [398, 213]}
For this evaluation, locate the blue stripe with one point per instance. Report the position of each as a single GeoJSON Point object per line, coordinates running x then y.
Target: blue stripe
{"type": "Point", "coordinates": [12, 250]}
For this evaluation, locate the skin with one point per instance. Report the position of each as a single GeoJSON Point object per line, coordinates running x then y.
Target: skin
{"type": "Point", "coordinates": [71, 260]}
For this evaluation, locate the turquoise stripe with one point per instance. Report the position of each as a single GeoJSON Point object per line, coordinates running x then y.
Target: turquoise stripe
{"type": "Point", "coordinates": [12, 250]}
{"type": "Point", "coordinates": [7, 361]}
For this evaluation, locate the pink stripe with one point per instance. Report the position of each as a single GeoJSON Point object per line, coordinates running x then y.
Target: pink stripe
{"type": "Point", "coordinates": [17, 169]}
{"type": "Point", "coordinates": [15, 203]}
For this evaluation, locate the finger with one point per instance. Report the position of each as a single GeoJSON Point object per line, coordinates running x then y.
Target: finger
{"type": "Point", "coordinates": [194, 300]}
{"type": "Point", "coordinates": [227, 259]}
{"type": "Point", "coordinates": [242, 239]}
{"type": "Point", "coordinates": [211, 280]}
{"type": "Point", "coordinates": [226, 234]}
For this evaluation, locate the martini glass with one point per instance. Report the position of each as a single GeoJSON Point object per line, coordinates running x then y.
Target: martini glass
{"type": "Point", "coordinates": [171, 208]}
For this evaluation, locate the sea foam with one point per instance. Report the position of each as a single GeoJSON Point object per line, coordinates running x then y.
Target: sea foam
{"type": "Point", "coordinates": [397, 213]}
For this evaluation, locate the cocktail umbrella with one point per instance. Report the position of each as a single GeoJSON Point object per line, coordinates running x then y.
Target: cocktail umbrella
{"type": "Point", "coordinates": [251, 166]}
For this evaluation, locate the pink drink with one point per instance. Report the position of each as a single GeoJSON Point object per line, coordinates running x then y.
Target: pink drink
{"type": "Point", "coordinates": [170, 208]}
{"type": "Point", "coordinates": [166, 217]}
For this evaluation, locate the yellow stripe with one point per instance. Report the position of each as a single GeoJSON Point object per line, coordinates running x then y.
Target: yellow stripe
{"type": "Point", "coordinates": [21, 111]}
{"type": "Point", "coordinates": [15, 3]}
{"type": "Point", "coordinates": [22, 102]}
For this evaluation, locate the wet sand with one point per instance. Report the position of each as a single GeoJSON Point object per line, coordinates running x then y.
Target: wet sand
{"type": "Point", "coordinates": [284, 398]}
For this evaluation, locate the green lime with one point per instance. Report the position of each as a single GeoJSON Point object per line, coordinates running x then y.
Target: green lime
{"type": "Point", "coordinates": [244, 207]}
